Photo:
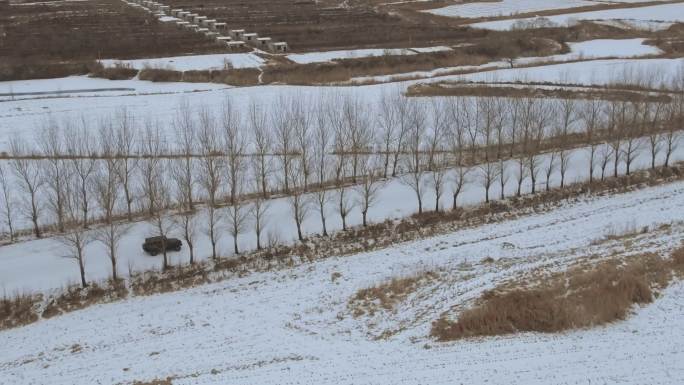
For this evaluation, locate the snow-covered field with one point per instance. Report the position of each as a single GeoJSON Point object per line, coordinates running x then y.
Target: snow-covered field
{"type": "Point", "coordinates": [86, 87]}
{"type": "Point", "coordinates": [319, 57]}
{"type": "Point", "coordinates": [650, 18]}
{"type": "Point", "coordinates": [506, 7]}
{"type": "Point", "coordinates": [193, 62]}
{"type": "Point", "coordinates": [584, 50]}
{"type": "Point", "coordinates": [24, 117]}
{"type": "Point", "coordinates": [293, 326]}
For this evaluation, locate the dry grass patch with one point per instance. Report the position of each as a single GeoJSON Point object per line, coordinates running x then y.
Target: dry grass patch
{"type": "Point", "coordinates": [18, 311]}
{"type": "Point", "coordinates": [387, 295]}
{"type": "Point", "coordinates": [76, 298]}
{"type": "Point", "coordinates": [159, 381]}
{"type": "Point", "coordinates": [577, 298]}
{"type": "Point", "coordinates": [532, 91]}
{"type": "Point", "coordinates": [120, 71]}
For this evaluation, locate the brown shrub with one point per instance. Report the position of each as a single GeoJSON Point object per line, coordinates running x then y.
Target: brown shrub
{"type": "Point", "coordinates": [388, 294]}
{"type": "Point", "coordinates": [678, 261]}
{"type": "Point", "coordinates": [160, 75]}
{"type": "Point", "coordinates": [158, 381]}
{"type": "Point", "coordinates": [575, 299]}
{"type": "Point", "coordinates": [237, 77]}
{"type": "Point", "coordinates": [118, 72]}
{"type": "Point", "coordinates": [173, 279]}
{"type": "Point", "coordinates": [18, 310]}
{"type": "Point", "coordinates": [76, 298]}
{"type": "Point", "coordinates": [29, 69]}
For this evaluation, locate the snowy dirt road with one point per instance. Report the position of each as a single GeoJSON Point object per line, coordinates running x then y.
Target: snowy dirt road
{"type": "Point", "coordinates": [294, 327]}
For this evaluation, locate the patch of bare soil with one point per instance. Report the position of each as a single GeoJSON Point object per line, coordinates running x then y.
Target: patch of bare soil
{"type": "Point", "coordinates": [581, 297]}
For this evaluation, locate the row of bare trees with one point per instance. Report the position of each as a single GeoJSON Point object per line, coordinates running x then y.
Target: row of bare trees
{"type": "Point", "coordinates": [331, 151]}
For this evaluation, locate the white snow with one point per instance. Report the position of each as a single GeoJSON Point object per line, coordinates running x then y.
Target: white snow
{"type": "Point", "coordinates": [193, 62]}
{"type": "Point", "coordinates": [293, 326]}
{"type": "Point", "coordinates": [649, 17]}
{"type": "Point", "coordinates": [320, 57]}
{"type": "Point", "coordinates": [84, 86]}
{"type": "Point", "coordinates": [505, 7]}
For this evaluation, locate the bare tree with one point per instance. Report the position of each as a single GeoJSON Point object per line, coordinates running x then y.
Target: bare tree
{"type": "Point", "coordinates": [617, 122]}
{"type": "Point", "coordinates": [263, 145]}
{"type": "Point", "coordinates": [605, 153]}
{"type": "Point", "coordinates": [75, 240]}
{"type": "Point", "coordinates": [302, 117]}
{"type": "Point", "coordinates": [299, 202]}
{"type": "Point", "coordinates": [513, 108]}
{"type": "Point", "coordinates": [675, 121]}
{"type": "Point", "coordinates": [458, 180]}
{"type": "Point", "coordinates": [105, 188]}
{"type": "Point", "coordinates": [237, 222]}
{"type": "Point", "coordinates": [322, 164]}
{"type": "Point", "coordinates": [437, 132]}
{"type": "Point", "coordinates": [55, 172]}
{"type": "Point", "coordinates": [486, 126]}
{"type": "Point", "coordinates": [590, 114]}
{"type": "Point", "coordinates": [344, 203]}
{"type": "Point", "coordinates": [551, 168]}
{"type": "Point", "coordinates": [283, 124]}
{"type": "Point", "coordinates": [27, 171]}
{"type": "Point", "coordinates": [211, 174]}
{"type": "Point", "coordinates": [414, 161]}
{"type": "Point", "coordinates": [125, 147]}
{"type": "Point", "coordinates": [542, 114]}
{"type": "Point", "coordinates": [504, 176]}
{"type": "Point", "coordinates": [403, 111]}
{"type": "Point", "coordinates": [526, 117]}
{"type": "Point", "coordinates": [8, 201]}
{"type": "Point", "coordinates": [457, 145]}
{"type": "Point", "coordinates": [184, 172]}
{"type": "Point", "coordinates": [235, 145]}
{"type": "Point", "coordinates": [369, 186]}
{"type": "Point", "coordinates": [259, 214]}
{"type": "Point", "coordinates": [357, 125]}
{"type": "Point", "coordinates": [489, 172]}
{"type": "Point", "coordinates": [632, 135]}
{"type": "Point", "coordinates": [159, 196]}
{"type": "Point", "coordinates": [438, 176]}
{"type": "Point", "coordinates": [186, 219]}
{"type": "Point", "coordinates": [388, 122]}
{"type": "Point", "coordinates": [653, 115]}
{"type": "Point", "coordinates": [567, 110]}
{"type": "Point", "coordinates": [81, 148]}
{"type": "Point", "coordinates": [151, 165]}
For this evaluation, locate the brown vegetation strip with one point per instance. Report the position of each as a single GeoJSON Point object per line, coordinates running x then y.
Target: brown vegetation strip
{"type": "Point", "coordinates": [443, 89]}
{"type": "Point", "coordinates": [577, 298]}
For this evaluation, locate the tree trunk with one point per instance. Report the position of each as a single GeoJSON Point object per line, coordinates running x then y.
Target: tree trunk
{"type": "Point", "coordinates": [82, 270]}
{"type": "Point", "coordinates": [115, 276]}
{"type": "Point", "coordinates": [299, 231]}
{"type": "Point", "coordinates": [192, 252]}
{"type": "Point", "coordinates": [325, 229]}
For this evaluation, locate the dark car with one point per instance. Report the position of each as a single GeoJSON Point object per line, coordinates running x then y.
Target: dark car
{"type": "Point", "coordinates": [155, 245]}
